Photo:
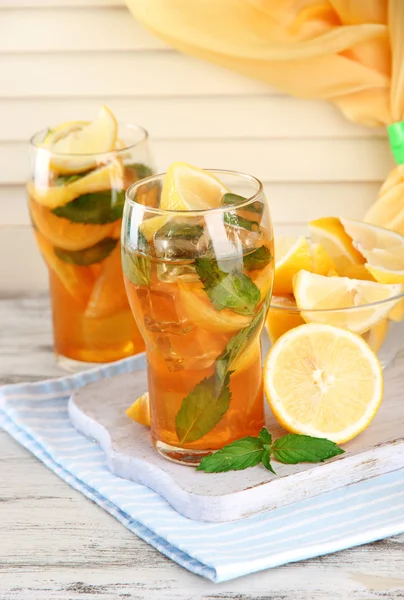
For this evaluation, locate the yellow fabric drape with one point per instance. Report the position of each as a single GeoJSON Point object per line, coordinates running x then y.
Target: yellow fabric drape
{"type": "Point", "coordinates": [350, 52]}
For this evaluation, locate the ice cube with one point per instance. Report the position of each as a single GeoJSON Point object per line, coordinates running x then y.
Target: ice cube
{"type": "Point", "coordinates": [178, 240]}
{"type": "Point", "coordinates": [160, 314]}
{"type": "Point", "coordinates": [172, 272]}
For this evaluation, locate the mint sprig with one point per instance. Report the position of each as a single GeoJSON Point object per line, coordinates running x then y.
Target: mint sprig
{"type": "Point", "coordinates": [137, 267]}
{"type": "Point", "coordinates": [250, 451]}
{"type": "Point", "coordinates": [233, 290]}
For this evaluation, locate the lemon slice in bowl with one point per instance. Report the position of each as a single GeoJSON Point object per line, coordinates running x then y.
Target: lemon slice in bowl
{"type": "Point", "coordinates": [330, 233]}
{"type": "Point", "coordinates": [283, 315]}
{"type": "Point", "coordinates": [322, 261]}
{"type": "Point", "coordinates": [323, 381]}
{"type": "Point", "coordinates": [369, 237]}
{"type": "Point", "coordinates": [291, 255]}
{"type": "Point", "coordinates": [188, 188]}
{"type": "Point", "coordinates": [352, 303]}
{"type": "Point", "coordinates": [140, 410]}
{"type": "Point", "coordinates": [79, 140]}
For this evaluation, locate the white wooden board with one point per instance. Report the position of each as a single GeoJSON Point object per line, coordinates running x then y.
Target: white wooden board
{"type": "Point", "coordinates": [98, 411]}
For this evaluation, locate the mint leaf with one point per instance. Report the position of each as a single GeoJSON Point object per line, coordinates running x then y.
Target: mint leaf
{"type": "Point", "coordinates": [97, 208]}
{"type": "Point", "coordinates": [257, 259]}
{"type": "Point", "coordinates": [237, 221]}
{"type": "Point", "coordinates": [66, 179]}
{"type": "Point", "coordinates": [234, 199]}
{"type": "Point", "coordinates": [265, 436]}
{"type": "Point", "coordinates": [177, 229]}
{"type": "Point", "coordinates": [89, 256]}
{"type": "Point", "coordinates": [239, 342]}
{"type": "Point", "coordinates": [237, 456]}
{"type": "Point", "coordinates": [202, 409]}
{"type": "Point", "coordinates": [293, 448]}
{"type": "Point", "coordinates": [266, 460]}
{"type": "Point", "coordinates": [137, 268]}
{"type": "Point", "coordinates": [232, 290]}
{"type": "Point", "coordinates": [141, 171]}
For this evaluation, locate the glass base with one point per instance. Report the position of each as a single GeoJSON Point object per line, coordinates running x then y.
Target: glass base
{"type": "Point", "coordinates": [75, 366]}
{"type": "Point", "coordinates": [181, 456]}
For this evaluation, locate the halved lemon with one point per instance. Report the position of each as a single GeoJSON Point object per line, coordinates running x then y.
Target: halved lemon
{"type": "Point", "coordinates": [283, 315]}
{"type": "Point", "coordinates": [140, 410]}
{"type": "Point", "coordinates": [330, 233]}
{"type": "Point", "coordinates": [78, 281]}
{"type": "Point", "coordinates": [64, 233]}
{"type": "Point", "coordinates": [188, 188]}
{"type": "Point", "coordinates": [104, 178]}
{"type": "Point", "coordinates": [72, 144]}
{"type": "Point", "coordinates": [323, 381]}
{"type": "Point", "coordinates": [291, 255]}
{"type": "Point", "coordinates": [352, 303]}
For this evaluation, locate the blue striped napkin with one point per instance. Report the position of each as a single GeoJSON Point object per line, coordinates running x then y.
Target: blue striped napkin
{"type": "Point", "coordinates": [35, 414]}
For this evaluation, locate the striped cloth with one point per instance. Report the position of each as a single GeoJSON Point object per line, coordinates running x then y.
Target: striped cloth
{"type": "Point", "coordinates": [35, 414]}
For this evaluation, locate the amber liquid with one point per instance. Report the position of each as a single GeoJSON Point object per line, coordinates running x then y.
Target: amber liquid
{"type": "Point", "coordinates": [92, 321]}
{"type": "Point", "coordinates": [183, 342]}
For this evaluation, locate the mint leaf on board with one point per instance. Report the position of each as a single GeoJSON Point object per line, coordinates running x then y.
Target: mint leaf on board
{"type": "Point", "coordinates": [258, 259]}
{"type": "Point", "coordinates": [97, 208]}
{"type": "Point", "coordinates": [202, 409]}
{"type": "Point", "coordinates": [232, 290]}
{"type": "Point", "coordinates": [266, 460]}
{"type": "Point", "coordinates": [265, 436]}
{"type": "Point", "coordinates": [293, 448]}
{"type": "Point", "coordinates": [239, 342]}
{"type": "Point", "coordinates": [237, 456]}
{"type": "Point", "coordinates": [88, 256]}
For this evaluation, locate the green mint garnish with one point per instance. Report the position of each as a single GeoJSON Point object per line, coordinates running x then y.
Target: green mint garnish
{"type": "Point", "coordinates": [293, 448]}
{"type": "Point", "coordinates": [250, 451]}
{"type": "Point", "coordinates": [67, 179]}
{"type": "Point", "coordinates": [257, 259]}
{"type": "Point", "coordinates": [137, 267]}
{"type": "Point", "coordinates": [140, 169]}
{"type": "Point", "coordinates": [234, 199]}
{"type": "Point", "coordinates": [97, 208]}
{"type": "Point", "coordinates": [232, 290]}
{"type": "Point", "coordinates": [202, 409]}
{"type": "Point", "coordinates": [89, 256]}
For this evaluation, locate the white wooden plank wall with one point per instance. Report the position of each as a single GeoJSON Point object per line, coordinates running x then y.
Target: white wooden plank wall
{"type": "Point", "coordinates": [59, 59]}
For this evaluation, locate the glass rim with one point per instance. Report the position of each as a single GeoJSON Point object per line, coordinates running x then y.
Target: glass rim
{"type": "Point", "coordinates": [296, 310]}
{"type": "Point", "coordinates": [134, 126]}
{"type": "Point", "coordinates": [199, 211]}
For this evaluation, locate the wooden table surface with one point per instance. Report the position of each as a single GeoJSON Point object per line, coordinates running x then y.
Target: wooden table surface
{"type": "Point", "coordinates": [56, 544]}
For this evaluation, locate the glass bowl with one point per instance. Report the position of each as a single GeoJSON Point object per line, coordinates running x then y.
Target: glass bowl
{"type": "Point", "coordinates": [386, 319]}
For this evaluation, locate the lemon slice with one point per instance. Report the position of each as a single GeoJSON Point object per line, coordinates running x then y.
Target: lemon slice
{"type": "Point", "coordinates": [76, 138]}
{"type": "Point", "coordinates": [375, 337]}
{"type": "Point", "coordinates": [330, 233]}
{"type": "Point", "coordinates": [104, 178]}
{"type": "Point", "coordinates": [322, 261]}
{"type": "Point", "coordinates": [188, 188]}
{"type": "Point", "coordinates": [323, 381]}
{"type": "Point", "coordinates": [326, 300]}
{"type": "Point", "coordinates": [283, 315]}
{"type": "Point", "coordinates": [291, 255]}
{"type": "Point", "coordinates": [369, 237]}
{"type": "Point", "coordinates": [140, 410]}
{"type": "Point", "coordinates": [196, 305]}
{"type": "Point", "coordinates": [357, 272]}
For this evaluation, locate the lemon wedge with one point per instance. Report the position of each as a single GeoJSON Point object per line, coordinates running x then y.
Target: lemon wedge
{"type": "Point", "coordinates": [81, 139]}
{"type": "Point", "coordinates": [291, 255]}
{"type": "Point", "coordinates": [283, 315]}
{"type": "Point", "coordinates": [140, 410]}
{"type": "Point", "coordinates": [344, 302]}
{"type": "Point", "coordinates": [104, 178]}
{"type": "Point", "coordinates": [369, 237]}
{"type": "Point", "coordinates": [188, 188]}
{"type": "Point", "coordinates": [322, 261]}
{"type": "Point", "coordinates": [330, 233]}
{"type": "Point", "coordinates": [323, 381]}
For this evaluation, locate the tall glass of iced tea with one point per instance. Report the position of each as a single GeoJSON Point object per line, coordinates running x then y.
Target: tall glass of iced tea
{"type": "Point", "coordinates": [198, 262]}
{"type": "Point", "coordinates": [76, 197]}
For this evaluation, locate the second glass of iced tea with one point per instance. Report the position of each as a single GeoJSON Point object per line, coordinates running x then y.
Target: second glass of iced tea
{"type": "Point", "coordinates": [199, 284]}
{"type": "Point", "coordinates": [76, 204]}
